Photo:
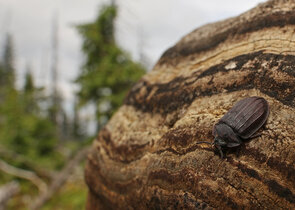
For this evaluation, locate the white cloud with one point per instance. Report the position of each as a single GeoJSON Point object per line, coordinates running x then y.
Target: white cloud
{"type": "Point", "coordinates": [162, 24]}
{"type": "Point", "coordinates": [165, 22]}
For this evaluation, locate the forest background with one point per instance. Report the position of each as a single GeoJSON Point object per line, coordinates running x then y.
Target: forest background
{"type": "Point", "coordinates": [39, 141]}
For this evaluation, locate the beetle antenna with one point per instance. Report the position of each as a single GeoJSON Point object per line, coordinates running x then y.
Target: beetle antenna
{"type": "Point", "coordinates": [206, 142]}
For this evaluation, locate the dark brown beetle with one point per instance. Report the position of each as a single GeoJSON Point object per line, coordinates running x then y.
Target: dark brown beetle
{"type": "Point", "coordinates": [240, 123]}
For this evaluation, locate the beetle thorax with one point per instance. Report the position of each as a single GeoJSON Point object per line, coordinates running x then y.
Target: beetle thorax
{"type": "Point", "coordinates": [225, 136]}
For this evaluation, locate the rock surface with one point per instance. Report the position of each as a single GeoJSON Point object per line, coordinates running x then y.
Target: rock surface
{"type": "Point", "coordinates": [146, 157]}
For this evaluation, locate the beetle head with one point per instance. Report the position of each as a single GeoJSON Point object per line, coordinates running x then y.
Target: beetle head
{"type": "Point", "coordinates": [219, 141]}
{"type": "Point", "coordinates": [225, 136]}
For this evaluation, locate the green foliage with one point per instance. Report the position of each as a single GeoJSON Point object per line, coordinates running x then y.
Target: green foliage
{"type": "Point", "coordinates": [29, 137]}
{"type": "Point", "coordinates": [71, 196]}
{"type": "Point", "coordinates": [7, 70]}
{"type": "Point", "coordinates": [108, 72]}
{"type": "Point", "coordinates": [23, 129]}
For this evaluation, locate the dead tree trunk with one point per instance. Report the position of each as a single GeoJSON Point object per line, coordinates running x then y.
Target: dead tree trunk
{"type": "Point", "coordinates": [146, 157]}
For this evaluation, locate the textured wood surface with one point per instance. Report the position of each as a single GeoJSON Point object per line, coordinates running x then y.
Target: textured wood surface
{"type": "Point", "coordinates": [146, 157]}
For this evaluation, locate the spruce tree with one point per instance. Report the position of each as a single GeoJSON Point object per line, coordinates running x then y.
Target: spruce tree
{"type": "Point", "coordinates": [8, 62]}
{"type": "Point", "coordinates": [108, 72]}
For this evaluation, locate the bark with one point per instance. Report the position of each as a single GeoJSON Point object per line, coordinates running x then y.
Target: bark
{"type": "Point", "coordinates": [146, 157]}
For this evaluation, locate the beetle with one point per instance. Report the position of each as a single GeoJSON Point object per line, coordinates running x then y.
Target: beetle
{"type": "Point", "coordinates": [240, 123]}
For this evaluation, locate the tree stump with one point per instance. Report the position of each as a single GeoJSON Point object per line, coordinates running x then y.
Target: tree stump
{"type": "Point", "coordinates": [147, 156]}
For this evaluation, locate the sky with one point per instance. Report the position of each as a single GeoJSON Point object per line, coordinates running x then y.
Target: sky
{"type": "Point", "coordinates": [146, 26]}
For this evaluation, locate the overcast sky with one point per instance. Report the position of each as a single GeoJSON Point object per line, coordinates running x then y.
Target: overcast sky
{"type": "Point", "coordinates": [154, 25]}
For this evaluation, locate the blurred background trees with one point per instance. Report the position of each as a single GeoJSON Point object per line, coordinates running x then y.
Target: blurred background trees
{"type": "Point", "coordinates": [25, 127]}
{"type": "Point", "coordinates": [108, 71]}
{"type": "Point", "coordinates": [38, 137]}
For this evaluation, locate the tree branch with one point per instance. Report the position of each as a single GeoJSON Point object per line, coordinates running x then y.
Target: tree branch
{"type": "Point", "coordinates": [7, 192]}
{"type": "Point", "coordinates": [24, 174]}
{"type": "Point", "coordinates": [11, 155]}
{"type": "Point", "coordinates": [60, 179]}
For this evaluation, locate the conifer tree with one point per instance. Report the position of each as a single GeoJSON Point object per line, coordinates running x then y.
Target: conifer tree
{"type": "Point", "coordinates": [108, 72]}
{"type": "Point", "coordinates": [29, 83]}
{"type": "Point", "coordinates": [8, 62]}
{"type": "Point", "coordinates": [30, 94]}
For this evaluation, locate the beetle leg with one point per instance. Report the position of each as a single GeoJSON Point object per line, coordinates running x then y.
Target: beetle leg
{"type": "Point", "coordinates": [206, 142]}
{"type": "Point", "coordinates": [220, 151]}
